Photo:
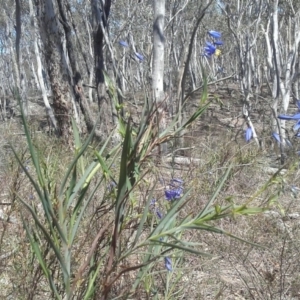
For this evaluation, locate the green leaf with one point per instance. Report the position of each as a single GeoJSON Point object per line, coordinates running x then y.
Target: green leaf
{"type": "Point", "coordinates": [48, 238]}
{"type": "Point", "coordinates": [37, 251]}
{"type": "Point", "coordinates": [196, 115]}
{"type": "Point", "coordinates": [144, 217]}
{"type": "Point", "coordinates": [243, 210]}
{"type": "Point", "coordinates": [73, 163]}
{"type": "Point", "coordinates": [186, 249]}
{"type": "Point", "coordinates": [215, 194]}
{"type": "Point", "coordinates": [125, 172]}
{"type": "Point", "coordinates": [168, 218]}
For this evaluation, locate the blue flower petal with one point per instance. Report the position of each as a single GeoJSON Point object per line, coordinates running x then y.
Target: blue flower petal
{"type": "Point", "coordinates": [123, 43]}
{"type": "Point", "coordinates": [215, 34]}
{"type": "Point", "coordinates": [297, 126]}
{"type": "Point", "coordinates": [170, 195]}
{"type": "Point", "coordinates": [298, 103]}
{"type": "Point", "coordinates": [210, 49]}
{"type": "Point", "coordinates": [159, 214]}
{"type": "Point", "coordinates": [208, 55]}
{"type": "Point", "coordinates": [286, 117]}
{"type": "Point", "coordinates": [168, 264]}
{"type": "Point", "coordinates": [139, 56]}
{"type": "Point", "coordinates": [248, 134]}
{"type": "Point", "coordinates": [276, 137]}
{"type": "Point", "coordinates": [218, 43]}
{"type": "Point", "coordinates": [210, 46]}
{"type": "Point", "coordinates": [152, 202]}
{"type": "Point", "coordinates": [111, 186]}
{"type": "Point", "coordinates": [173, 194]}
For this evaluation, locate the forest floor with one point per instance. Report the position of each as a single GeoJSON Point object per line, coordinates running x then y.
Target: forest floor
{"type": "Point", "coordinates": [235, 269]}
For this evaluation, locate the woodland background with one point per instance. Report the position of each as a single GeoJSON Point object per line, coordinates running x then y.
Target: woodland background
{"type": "Point", "coordinates": [94, 67]}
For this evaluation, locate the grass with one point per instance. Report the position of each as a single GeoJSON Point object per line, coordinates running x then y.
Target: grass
{"type": "Point", "coordinates": [231, 267]}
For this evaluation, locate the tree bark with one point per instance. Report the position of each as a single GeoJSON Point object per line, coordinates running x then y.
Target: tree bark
{"type": "Point", "coordinates": [100, 14]}
{"type": "Point", "coordinates": [158, 67]}
{"type": "Point", "coordinates": [40, 79]}
{"type": "Point", "coordinates": [158, 51]}
{"type": "Point", "coordinates": [56, 57]}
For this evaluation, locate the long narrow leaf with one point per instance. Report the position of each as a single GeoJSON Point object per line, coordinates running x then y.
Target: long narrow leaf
{"type": "Point", "coordinates": [215, 194]}
{"type": "Point", "coordinates": [186, 249]}
{"type": "Point", "coordinates": [42, 194]}
{"type": "Point", "coordinates": [171, 213]}
{"type": "Point", "coordinates": [32, 151]}
{"type": "Point", "coordinates": [143, 218]}
{"type": "Point", "coordinates": [73, 163]}
{"type": "Point", "coordinates": [36, 250]}
{"type": "Point", "coordinates": [47, 236]}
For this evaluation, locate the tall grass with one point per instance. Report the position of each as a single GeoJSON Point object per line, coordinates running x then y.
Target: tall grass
{"type": "Point", "coordinates": [120, 257]}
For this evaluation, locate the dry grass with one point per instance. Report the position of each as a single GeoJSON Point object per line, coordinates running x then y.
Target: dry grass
{"type": "Point", "coordinates": [235, 270]}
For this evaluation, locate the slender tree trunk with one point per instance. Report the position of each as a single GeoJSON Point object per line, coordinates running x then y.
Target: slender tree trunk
{"type": "Point", "coordinates": [40, 78]}
{"type": "Point", "coordinates": [158, 66]}
{"type": "Point", "coordinates": [100, 13]}
{"type": "Point", "coordinates": [56, 57]}
{"type": "Point", "coordinates": [184, 66]}
{"type": "Point", "coordinates": [158, 51]}
{"type": "Point", "coordinates": [20, 80]}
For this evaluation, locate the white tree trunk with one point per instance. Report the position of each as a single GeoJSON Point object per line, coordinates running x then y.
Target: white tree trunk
{"type": "Point", "coordinates": [158, 66]}
{"type": "Point", "coordinates": [39, 68]}
{"type": "Point", "coordinates": [56, 56]}
{"type": "Point", "coordinates": [158, 51]}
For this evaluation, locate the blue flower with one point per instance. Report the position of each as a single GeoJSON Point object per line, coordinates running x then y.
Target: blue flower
{"type": "Point", "coordinates": [123, 43]}
{"type": "Point", "coordinates": [218, 43]}
{"type": "Point", "coordinates": [286, 117]}
{"type": "Point", "coordinates": [139, 56]}
{"type": "Point", "coordinates": [210, 49]}
{"type": "Point", "coordinates": [168, 264]}
{"type": "Point", "coordinates": [111, 186]}
{"type": "Point", "coordinates": [152, 202]}
{"type": "Point", "coordinates": [276, 136]}
{"type": "Point", "coordinates": [298, 104]}
{"type": "Point", "coordinates": [297, 126]}
{"type": "Point", "coordinates": [248, 134]}
{"type": "Point", "coordinates": [158, 213]}
{"type": "Point", "coordinates": [175, 190]}
{"type": "Point", "coordinates": [214, 34]}
{"type": "Point", "coordinates": [173, 194]}
{"type": "Point", "coordinates": [155, 209]}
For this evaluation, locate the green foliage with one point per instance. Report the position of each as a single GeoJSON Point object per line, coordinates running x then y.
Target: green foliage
{"type": "Point", "coordinates": [56, 234]}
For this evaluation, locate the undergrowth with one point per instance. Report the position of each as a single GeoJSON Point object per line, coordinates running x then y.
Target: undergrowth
{"type": "Point", "coordinates": [103, 222]}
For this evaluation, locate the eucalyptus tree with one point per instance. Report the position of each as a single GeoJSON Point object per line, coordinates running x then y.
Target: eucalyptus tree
{"type": "Point", "coordinates": [38, 58]}
{"type": "Point", "coordinates": [158, 50]}
{"type": "Point", "coordinates": [100, 13]}
{"type": "Point", "coordinates": [11, 16]}
{"type": "Point", "coordinates": [57, 63]}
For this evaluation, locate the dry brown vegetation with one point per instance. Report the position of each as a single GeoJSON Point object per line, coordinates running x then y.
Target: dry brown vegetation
{"type": "Point", "coordinates": [267, 269]}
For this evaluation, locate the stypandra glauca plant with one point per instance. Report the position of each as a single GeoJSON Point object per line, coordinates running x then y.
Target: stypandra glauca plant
{"type": "Point", "coordinates": [96, 229]}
